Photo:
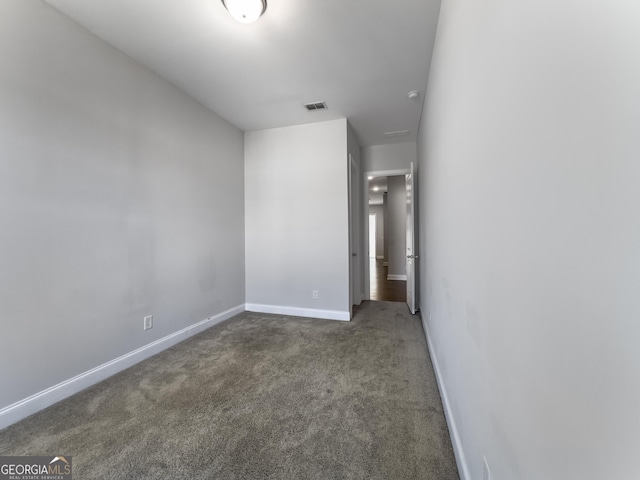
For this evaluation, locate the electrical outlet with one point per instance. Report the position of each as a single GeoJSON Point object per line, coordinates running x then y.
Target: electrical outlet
{"type": "Point", "coordinates": [314, 294]}
{"type": "Point", "coordinates": [486, 472]}
{"type": "Point", "coordinates": [148, 322]}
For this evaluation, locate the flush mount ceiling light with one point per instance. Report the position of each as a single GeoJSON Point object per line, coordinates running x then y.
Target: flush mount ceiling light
{"type": "Point", "coordinates": [245, 11]}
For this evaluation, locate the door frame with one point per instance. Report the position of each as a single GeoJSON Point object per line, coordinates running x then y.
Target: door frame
{"type": "Point", "coordinates": [355, 243]}
{"type": "Point", "coordinates": [411, 244]}
{"type": "Point", "coordinates": [365, 246]}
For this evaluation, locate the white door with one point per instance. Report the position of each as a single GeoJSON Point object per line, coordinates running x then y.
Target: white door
{"type": "Point", "coordinates": [354, 234]}
{"type": "Point", "coordinates": [411, 253]}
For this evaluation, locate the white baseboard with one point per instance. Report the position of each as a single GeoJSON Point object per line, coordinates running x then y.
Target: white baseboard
{"type": "Point", "coordinates": [461, 460]}
{"type": "Point", "coordinates": [30, 405]}
{"type": "Point", "coordinates": [300, 312]}
{"type": "Point", "coordinates": [396, 277]}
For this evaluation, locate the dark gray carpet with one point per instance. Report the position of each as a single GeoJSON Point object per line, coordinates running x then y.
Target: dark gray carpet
{"type": "Point", "coordinates": [261, 397]}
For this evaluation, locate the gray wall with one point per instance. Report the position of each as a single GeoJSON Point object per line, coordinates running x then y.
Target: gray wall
{"type": "Point", "coordinates": [385, 213]}
{"type": "Point", "coordinates": [297, 218]}
{"type": "Point", "coordinates": [388, 157]}
{"type": "Point", "coordinates": [119, 197]}
{"type": "Point", "coordinates": [396, 220]}
{"type": "Point", "coordinates": [529, 178]}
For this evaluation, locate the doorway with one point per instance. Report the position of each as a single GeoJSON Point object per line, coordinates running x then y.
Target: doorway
{"type": "Point", "coordinates": [386, 202]}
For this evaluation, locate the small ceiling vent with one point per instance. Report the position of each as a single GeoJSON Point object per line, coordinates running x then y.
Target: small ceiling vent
{"type": "Point", "coordinates": [399, 133]}
{"type": "Point", "coordinates": [315, 106]}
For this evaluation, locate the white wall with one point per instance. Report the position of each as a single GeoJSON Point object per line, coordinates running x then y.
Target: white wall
{"type": "Point", "coordinates": [396, 221]}
{"type": "Point", "coordinates": [378, 210]}
{"type": "Point", "coordinates": [395, 156]}
{"type": "Point", "coordinates": [119, 197]}
{"type": "Point", "coordinates": [297, 219]}
{"type": "Point", "coordinates": [529, 177]}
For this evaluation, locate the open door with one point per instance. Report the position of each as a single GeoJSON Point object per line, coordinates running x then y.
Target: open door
{"type": "Point", "coordinates": [354, 234]}
{"type": "Point", "coordinates": [411, 254]}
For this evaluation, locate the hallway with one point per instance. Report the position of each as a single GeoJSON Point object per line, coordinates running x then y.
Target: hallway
{"type": "Point", "coordinates": [383, 289]}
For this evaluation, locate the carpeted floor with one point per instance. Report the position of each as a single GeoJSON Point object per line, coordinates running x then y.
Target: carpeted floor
{"type": "Point", "coordinates": [261, 397]}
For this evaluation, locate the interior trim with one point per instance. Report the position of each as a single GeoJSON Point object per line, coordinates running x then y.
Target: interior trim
{"type": "Point", "coordinates": [45, 398]}
{"type": "Point", "coordinates": [300, 312]}
{"type": "Point", "coordinates": [461, 460]}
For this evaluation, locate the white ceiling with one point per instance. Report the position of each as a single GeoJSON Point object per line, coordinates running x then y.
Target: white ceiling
{"type": "Point", "coordinates": [361, 57]}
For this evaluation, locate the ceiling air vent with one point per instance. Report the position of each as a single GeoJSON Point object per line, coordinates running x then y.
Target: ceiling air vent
{"type": "Point", "coordinates": [315, 106]}
{"type": "Point", "coordinates": [399, 133]}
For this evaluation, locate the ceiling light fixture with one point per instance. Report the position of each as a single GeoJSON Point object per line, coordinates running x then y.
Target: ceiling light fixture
{"type": "Point", "coordinates": [245, 11]}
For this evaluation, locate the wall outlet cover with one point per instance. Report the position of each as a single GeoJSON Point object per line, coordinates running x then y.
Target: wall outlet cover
{"type": "Point", "coordinates": [148, 322]}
